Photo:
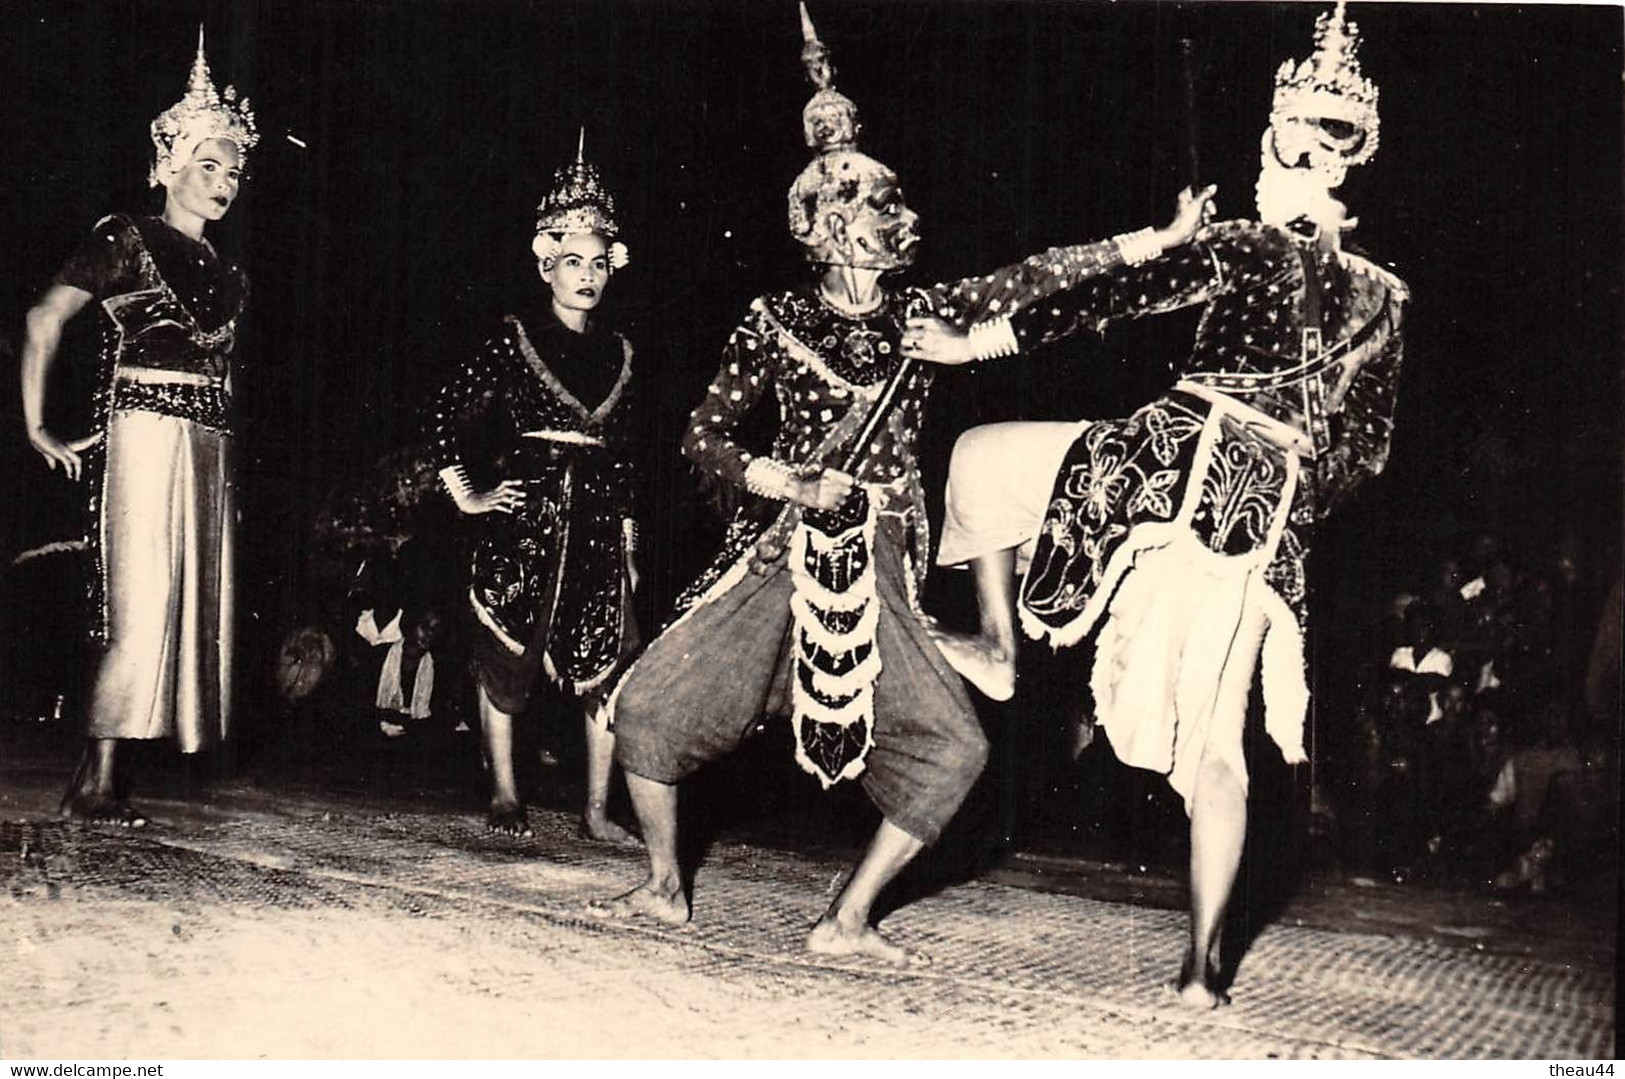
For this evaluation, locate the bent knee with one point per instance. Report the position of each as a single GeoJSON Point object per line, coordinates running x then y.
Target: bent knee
{"type": "Point", "coordinates": [966, 757]}
{"type": "Point", "coordinates": [1220, 785]}
{"type": "Point", "coordinates": [977, 447]}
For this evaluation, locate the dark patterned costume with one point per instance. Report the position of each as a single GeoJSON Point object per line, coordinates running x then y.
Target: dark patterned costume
{"type": "Point", "coordinates": [1284, 405]}
{"type": "Point", "coordinates": [816, 616]}
{"type": "Point", "coordinates": [162, 501]}
{"type": "Point", "coordinates": [548, 587]}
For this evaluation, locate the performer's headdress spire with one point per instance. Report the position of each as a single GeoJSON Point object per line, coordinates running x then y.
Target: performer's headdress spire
{"type": "Point", "coordinates": [202, 113]}
{"type": "Point", "coordinates": [839, 176]}
{"type": "Point", "coordinates": [1324, 113]}
{"type": "Point", "coordinates": [579, 203]}
{"type": "Point", "coordinates": [830, 120]}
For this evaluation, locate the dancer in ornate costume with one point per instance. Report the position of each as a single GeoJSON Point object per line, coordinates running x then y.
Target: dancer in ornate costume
{"type": "Point", "coordinates": [530, 441]}
{"type": "Point", "coordinates": [158, 468]}
{"type": "Point", "coordinates": [1186, 525]}
{"type": "Point", "coordinates": [810, 610]}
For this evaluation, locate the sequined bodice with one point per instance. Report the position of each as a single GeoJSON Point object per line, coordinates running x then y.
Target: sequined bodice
{"type": "Point", "coordinates": [1254, 324]}
{"type": "Point", "coordinates": [173, 302]}
{"type": "Point", "coordinates": [1251, 340]}
{"type": "Point", "coordinates": [1260, 287]}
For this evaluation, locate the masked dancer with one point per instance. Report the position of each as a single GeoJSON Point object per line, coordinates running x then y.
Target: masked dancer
{"type": "Point", "coordinates": [158, 467]}
{"type": "Point", "coordinates": [530, 438]}
{"type": "Point", "coordinates": [811, 608]}
{"type": "Point", "coordinates": [1183, 530]}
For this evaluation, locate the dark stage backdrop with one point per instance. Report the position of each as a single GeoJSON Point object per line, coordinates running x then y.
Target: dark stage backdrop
{"type": "Point", "coordinates": [382, 251]}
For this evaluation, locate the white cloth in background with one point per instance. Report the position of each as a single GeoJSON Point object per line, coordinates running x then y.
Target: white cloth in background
{"type": "Point", "coordinates": [390, 698]}
{"type": "Point", "coordinates": [1437, 661]}
{"type": "Point", "coordinates": [366, 628]}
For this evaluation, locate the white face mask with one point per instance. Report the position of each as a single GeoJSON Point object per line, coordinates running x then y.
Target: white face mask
{"type": "Point", "coordinates": [1284, 195]}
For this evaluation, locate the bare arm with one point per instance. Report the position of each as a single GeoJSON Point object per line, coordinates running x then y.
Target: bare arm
{"type": "Point", "coordinates": [44, 335]}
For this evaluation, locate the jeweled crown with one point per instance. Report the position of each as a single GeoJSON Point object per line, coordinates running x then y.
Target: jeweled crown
{"type": "Point", "coordinates": [578, 204]}
{"type": "Point", "coordinates": [202, 113]}
{"type": "Point", "coordinates": [1328, 85]}
{"type": "Point", "coordinates": [829, 121]}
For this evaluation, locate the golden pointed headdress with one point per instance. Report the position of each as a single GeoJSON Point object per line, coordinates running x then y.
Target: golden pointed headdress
{"type": "Point", "coordinates": [202, 113]}
{"type": "Point", "coordinates": [578, 204]}
{"type": "Point", "coordinates": [1325, 109]}
{"type": "Point", "coordinates": [829, 121]}
{"type": "Point", "coordinates": [838, 171]}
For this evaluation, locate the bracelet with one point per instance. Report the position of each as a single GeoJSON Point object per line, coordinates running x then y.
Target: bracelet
{"type": "Point", "coordinates": [629, 534]}
{"type": "Point", "coordinates": [993, 340]}
{"type": "Point", "coordinates": [455, 481]}
{"type": "Point", "coordinates": [770, 479]}
{"type": "Point", "coordinates": [1138, 247]}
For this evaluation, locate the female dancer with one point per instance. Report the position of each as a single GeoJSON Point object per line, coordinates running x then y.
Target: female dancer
{"type": "Point", "coordinates": [530, 440]}
{"type": "Point", "coordinates": [160, 489]}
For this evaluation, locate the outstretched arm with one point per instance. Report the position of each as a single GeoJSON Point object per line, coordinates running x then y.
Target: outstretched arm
{"type": "Point", "coordinates": [44, 336]}
{"type": "Point", "coordinates": [1074, 280]}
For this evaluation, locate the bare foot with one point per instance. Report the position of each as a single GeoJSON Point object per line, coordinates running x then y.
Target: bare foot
{"type": "Point", "coordinates": [830, 937]}
{"type": "Point", "coordinates": [647, 900]}
{"type": "Point", "coordinates": [103, 809]}
{"type": "Point", "coordinates": [508, 818]}
{"type": "Point", "coordinates": [982, 663]}
{"type": "Point", "coordinates": [1199, 990]}
{"type": "Point", "coordinates": [600, 829]}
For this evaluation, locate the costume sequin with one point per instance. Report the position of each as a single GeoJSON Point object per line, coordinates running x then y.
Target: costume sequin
{"type": "Point", "coordinates": [828, 614]}
{"type": "Point", "coordinates": [1284, 405]}
{"type": "Point", "coordinates": [547, 582]}
{"type": "Point", "coordinates": [163, 511]}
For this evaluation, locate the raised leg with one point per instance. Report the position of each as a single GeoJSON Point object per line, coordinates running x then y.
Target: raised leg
{"type": "Point", "coordinates": [988, 660]}
{"type": "Point", "coordinates": [845, 929]}
{"type": "Point", "coordinates": [661, 896]}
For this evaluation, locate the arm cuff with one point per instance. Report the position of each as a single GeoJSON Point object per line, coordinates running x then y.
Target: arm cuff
{"type": "Point", "coordinates": [1138, 247]}
{"type": "Point", "coordinates": [770, 479]}
{"type": "Point", "coordinates": [993, 340]}
{"type": "Point", "coordinates": [455, 480]}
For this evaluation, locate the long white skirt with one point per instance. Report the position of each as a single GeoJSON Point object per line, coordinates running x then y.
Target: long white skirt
{"type": "Point", "coordinates": [1175, 659]}
{"type": "Point", "coordinates": [166, 536]}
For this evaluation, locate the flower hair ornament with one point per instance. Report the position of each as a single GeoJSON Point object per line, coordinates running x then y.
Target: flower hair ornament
{"type": "Point", "coordinates": [203, 113]}
{"type": "Point", "coordinates": [577, 205]}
